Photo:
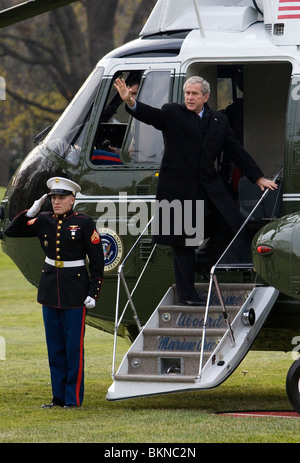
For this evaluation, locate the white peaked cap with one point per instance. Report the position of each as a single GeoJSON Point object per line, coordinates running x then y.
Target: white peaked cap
{"type": "Point", "coordinates": [62, 186]}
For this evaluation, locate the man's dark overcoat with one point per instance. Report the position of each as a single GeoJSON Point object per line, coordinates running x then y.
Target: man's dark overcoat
{"type": "Point", "coordinates": [188, 168]}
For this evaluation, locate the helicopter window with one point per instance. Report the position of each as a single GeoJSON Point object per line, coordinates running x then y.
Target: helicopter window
{"type": "Point", "coordinates": [113, 122]}
{"type": "Point", "coordinates": [224, 97]}
{"type": "Point", "coordinates": [67, 136]}
{"type": "Point", "coordinates": [143, 143]}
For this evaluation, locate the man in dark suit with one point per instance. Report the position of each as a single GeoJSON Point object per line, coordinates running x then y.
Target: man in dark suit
{"type": "Point", "coordinates": [65, 289]}
{"type": "Point", "coordinates": [194, 136]}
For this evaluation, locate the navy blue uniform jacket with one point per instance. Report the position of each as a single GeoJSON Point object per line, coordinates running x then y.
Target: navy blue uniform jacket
{"type": "Point", "coordinates": [188, 168]}
{"type": "Point", "coordinates": [64, 238]}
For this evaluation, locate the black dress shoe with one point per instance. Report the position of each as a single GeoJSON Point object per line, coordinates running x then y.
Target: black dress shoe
{"type": "Point", "coordinates": [191, 302]}
{"type": "Point", "coordinates": [54, 403]}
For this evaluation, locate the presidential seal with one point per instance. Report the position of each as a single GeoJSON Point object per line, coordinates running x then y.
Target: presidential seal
{"type": "Point", "coordinates": [112, 248]}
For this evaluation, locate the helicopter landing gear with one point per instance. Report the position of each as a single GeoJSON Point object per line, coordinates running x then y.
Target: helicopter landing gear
{"type": "Point", "coordinates": [293, 385]}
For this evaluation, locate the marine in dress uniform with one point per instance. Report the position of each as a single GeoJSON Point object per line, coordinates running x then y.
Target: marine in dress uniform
{"type": "Point", "coordinates": [66, 289]}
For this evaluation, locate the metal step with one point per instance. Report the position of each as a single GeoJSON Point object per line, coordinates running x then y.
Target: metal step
{"type": "Point", "coordinates": [232, 293]}
{"type": "Point", "coordinates": [169, 363]}
{"type": "Point", "coordinates": [193, 317]}
{"type": "Point", "coordinates": [180, 339]}
{"type": "Point", "coordinates": [156, 378]}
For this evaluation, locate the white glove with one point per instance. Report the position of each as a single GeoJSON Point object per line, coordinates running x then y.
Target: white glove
{"type": "Point", "coordinates": [35, 208]}
{"type": "Point", "coordinates": [89, 302]}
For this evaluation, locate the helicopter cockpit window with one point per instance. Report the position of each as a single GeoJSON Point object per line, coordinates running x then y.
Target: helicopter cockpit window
{"type": "Point", "coordinates": [113, 122]}
{"type": "Point", "coordinates": [67, 136]}
{"type": "Point", "coordinates": [143, 143]}
{"type": "Point", "coordinates": [121, 139]}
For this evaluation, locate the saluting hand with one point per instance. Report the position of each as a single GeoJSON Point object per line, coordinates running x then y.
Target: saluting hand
{"type": "Point", "coordinates": [35, 208]}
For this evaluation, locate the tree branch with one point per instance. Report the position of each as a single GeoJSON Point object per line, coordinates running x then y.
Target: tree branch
{"type": "Point", "coordinates": [29, 102]}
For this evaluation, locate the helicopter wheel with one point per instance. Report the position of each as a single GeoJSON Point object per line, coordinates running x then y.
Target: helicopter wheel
{"type": "Point", "coordinates": [293, 385]}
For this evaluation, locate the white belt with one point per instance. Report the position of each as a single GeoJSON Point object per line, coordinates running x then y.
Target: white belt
{"type": "Point", "coordinates": [62, 264]}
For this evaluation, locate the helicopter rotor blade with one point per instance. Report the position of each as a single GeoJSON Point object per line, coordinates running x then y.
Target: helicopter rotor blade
{"type": "Point", "coordinates": [28, 10]}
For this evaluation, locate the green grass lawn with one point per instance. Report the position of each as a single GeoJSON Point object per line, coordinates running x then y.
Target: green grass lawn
{"type": "Point", "coordinates": [189, 417]}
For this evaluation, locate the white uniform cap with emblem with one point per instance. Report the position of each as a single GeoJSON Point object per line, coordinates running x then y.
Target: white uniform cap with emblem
{"type": "Point", "coordinates": [62, 186]}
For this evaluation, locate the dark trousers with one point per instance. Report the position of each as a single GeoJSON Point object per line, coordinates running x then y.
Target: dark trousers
{"type": "Point", "coordinates": [219, 233]}
{"type": "Point", "coordinates": [184, 270]}
{"type": "Point", "coordinates": [64, 330]}
{"type": "Point", "coordinates": [186, 262]}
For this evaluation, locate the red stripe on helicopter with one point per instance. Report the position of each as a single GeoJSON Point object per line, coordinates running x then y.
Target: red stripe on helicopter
{"type": "Point", "coordinates": [291, 11]}
{"type": "Point", "coordinates": [289, 16]}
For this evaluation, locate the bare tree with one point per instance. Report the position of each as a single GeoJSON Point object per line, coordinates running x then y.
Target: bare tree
{"type": "Point", "coordinates": [101, 19]}
{"type": "Point", "coordinates": [65, 49]}
{"type": "Point", "coordinates": [47, 58]}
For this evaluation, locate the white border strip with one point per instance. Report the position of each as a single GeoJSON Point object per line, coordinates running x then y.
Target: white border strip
{"type": "Point", "coordinates": [291, 197]}
{"type": "Point", "coordinates": [115, 198]}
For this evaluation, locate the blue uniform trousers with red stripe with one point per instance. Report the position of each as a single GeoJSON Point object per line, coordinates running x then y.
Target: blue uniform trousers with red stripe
{"type": "Point", "coordinates": [64, 330]}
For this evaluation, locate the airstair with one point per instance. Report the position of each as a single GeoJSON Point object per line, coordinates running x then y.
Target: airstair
{"type": "Point", "coordinates": [190, 348]}
{"type": "Point", "coordinates": [183, 348]}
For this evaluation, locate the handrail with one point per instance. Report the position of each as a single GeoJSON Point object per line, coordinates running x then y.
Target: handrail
{"type": "Point", "coordinates": [213, 279]}
{"type": "Point", "coordinates": [129, 295]}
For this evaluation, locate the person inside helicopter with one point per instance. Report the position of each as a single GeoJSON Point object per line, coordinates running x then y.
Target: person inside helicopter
{"type": "Point", "coordinates": [114, 120]}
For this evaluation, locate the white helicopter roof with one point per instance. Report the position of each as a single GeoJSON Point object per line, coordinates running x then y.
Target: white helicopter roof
{"type": "Point", "coordinates": [262, 30]}
{"type": "Point", "coordinates": [281, 18]}
{"type": "Point", "coordinates": [222, 15]}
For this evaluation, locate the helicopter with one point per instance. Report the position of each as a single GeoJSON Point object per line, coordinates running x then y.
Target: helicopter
{"type": "Point", "coordinates": [249, 52]}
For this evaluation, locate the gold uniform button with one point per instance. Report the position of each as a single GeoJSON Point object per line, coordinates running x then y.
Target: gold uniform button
{"type": "Point", "coordinates": [57, 249]}
{"type": "Point", "coordinates": [58, 235]}
{"type": "Point", "coordinates": [57, 242]}
{"type": "Point", "coordinates": [57, 257]}
{"type": "Point", "coordinates": [60, 222]}
{"type": "Point", "coordinates": [59, 227]}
